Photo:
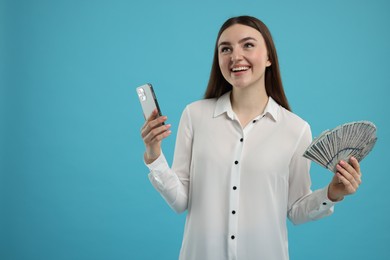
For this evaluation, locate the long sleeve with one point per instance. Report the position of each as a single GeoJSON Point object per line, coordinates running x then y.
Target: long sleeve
{"type": "Point", "coordinates": [305, 205]}
{"type": "Point", "coordinates": [173, 183]}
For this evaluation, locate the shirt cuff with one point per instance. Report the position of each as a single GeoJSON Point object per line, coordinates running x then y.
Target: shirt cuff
{"type": "Point", "coordinates": [159, 165]}
{"type": "Point", "coordinates": [326, 202]}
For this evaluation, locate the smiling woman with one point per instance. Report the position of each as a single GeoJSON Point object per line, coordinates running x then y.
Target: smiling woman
{"type": "Point", "coordinates": [238, 167]}
{"type": "Point", "coordinates": [218, 85]}
{"type": "Point", "coordinates": [244, 60]}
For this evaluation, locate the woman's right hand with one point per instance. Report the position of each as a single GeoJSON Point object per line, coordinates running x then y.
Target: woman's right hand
{"type": "Point", "coordinates": [153, 132]}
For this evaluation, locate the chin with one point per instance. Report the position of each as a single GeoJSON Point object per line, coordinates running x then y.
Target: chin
{"type": "Point", "coordinates": [240, 85]}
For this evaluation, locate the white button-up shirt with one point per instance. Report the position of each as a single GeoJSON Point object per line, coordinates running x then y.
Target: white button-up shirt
{"type": "Point", "coordinates": [239, 184]}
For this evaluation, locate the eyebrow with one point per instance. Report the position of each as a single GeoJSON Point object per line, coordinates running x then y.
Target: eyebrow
{"type": "Point", "coordinates": [240, 41]}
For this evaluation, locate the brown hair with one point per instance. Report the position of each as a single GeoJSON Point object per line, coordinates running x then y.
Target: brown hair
{"type": "Point", "coordinates": [218, 86]}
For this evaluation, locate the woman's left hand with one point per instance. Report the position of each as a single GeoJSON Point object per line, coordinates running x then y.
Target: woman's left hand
{"type": "Point", "coordinates": [346, 181]}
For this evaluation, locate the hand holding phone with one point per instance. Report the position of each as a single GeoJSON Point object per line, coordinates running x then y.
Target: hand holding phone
{"type": "Point", "coordinates": [154, 129]}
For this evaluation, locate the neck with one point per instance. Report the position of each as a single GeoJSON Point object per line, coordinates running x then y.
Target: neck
{"type": "Point", "coordinates": [249, 101]}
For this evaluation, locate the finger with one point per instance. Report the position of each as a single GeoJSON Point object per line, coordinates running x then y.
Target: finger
{"type": "Point", "coordinates": [150, 135]}
{"type": "Point", "coordinates": [349, 188]}
{"type": "Point", "coordinates": [348, 173]}
{"type": "Point", "coordinates": [163, 135]}
{"type": "Point", "coordinates": [355, 164]}
{"type": "Point", "coordinates": [352, 169]}
{"type": "Point", "coordinates": [149, 126]}
{"type": "Point", "coordinates": [152, 116]}
{"type": "Point", "coordinates": [155, 134]}
{"type": "Point", "coordinates": [156, 139]}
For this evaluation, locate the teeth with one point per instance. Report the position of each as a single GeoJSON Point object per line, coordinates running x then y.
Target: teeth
{"type": "Point", "coordinates": [239, 69]}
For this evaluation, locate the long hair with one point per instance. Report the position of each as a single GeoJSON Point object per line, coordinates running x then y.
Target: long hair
{"type": "Point", "coordinates": [217, 85]}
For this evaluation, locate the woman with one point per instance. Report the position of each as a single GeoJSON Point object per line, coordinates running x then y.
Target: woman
{"type": "Point", "coordinates": [238, 167]}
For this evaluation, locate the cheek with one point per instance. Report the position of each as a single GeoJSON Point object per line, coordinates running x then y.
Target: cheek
{"type": "Point", "coordinates": [223, 65]}
{"type": "Point", "coordinates": [261, 62]}
{"type": "Point", "coordinates": [220, 61]}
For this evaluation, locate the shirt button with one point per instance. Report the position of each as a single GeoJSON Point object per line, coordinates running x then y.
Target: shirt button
{"type": "Point", "coordinates": [236, 162]}
{"type": "Point", "coordinates": [254, 121]}
{"type": "Point", "coordinates": [241, 140]}
{"type": "Point", "coordinates": [323, 203]}
{"type": "Point", "coordinates": [234, 188]}
{"type": "Point", "coordinates": [233, 212]}
{"type": "Point", "coordinates": [232, 237]}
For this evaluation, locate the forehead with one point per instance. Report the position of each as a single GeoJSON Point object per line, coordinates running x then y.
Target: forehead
{"type": "Point", "coordinates": [237, 32]}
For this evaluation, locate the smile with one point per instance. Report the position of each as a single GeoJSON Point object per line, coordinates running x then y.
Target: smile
{"type": "Point", "coordinates": [238, 69]}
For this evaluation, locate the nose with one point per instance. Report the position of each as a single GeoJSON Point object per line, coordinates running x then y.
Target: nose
{"type": "Point", "coordinates": [236, 55]}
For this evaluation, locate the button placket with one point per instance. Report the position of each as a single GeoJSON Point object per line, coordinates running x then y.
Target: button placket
{"type": "Point", "coordinates": [234, 197]}
{"type": "Point", "coordinates": [234, 192]}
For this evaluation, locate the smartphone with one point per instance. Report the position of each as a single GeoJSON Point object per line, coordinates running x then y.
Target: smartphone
{"type": "Point", "coordinates": [148, 100]}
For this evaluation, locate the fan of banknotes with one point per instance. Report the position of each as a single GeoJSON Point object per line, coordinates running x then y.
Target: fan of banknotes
{"type": "Point", "coordinates": [341, 143]}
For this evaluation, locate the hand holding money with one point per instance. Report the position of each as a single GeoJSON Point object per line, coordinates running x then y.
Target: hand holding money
{"type": "Point", "coordinates": [340, 150]}
{"type": "Point", "coordinates": [346, 180]}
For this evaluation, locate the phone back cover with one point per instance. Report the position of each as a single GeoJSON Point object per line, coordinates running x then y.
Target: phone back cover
{"type": "Point", "coordinates": [147, 99]}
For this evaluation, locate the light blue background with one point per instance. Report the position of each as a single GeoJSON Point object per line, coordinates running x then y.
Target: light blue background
{"type": "Point", "coordinates": [73, 184]}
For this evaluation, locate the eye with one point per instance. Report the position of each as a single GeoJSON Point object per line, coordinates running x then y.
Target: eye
{"type": "Point", "coordinates": [249, 45]}
{"type": "Point", "coordinates": [225, 49]}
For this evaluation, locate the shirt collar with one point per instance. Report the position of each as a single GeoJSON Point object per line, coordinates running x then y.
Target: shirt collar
{"type": "Point", "coordinates": [224, 106]}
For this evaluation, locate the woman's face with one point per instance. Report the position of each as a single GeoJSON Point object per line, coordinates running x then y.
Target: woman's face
{"type": "Point", "coordinates": [243, 56]}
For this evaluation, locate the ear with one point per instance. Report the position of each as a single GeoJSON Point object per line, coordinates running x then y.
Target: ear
{"type": "Point", "coordinates": [268, 63]}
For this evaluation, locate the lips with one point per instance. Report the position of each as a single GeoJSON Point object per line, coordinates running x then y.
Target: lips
{"type": "Point", "coordinates": [239, 68]}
